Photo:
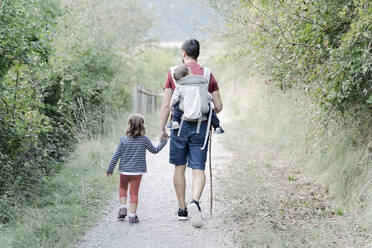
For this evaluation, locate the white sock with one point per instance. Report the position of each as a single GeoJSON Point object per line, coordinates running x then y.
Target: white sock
{"type": "Point", "coordinates": [132, 215]}
{"type": "Point", "coordinates": [123, 206]}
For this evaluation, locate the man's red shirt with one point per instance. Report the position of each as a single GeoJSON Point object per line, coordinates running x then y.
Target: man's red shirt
{"type": "Point", "coordinates": [196, 70]}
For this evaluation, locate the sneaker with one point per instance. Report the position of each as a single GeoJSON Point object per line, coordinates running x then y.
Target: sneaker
{"type": "Point", "coordinates": [122, 213]}
{"type": "Point", "coordinates": [218, 130]}
{"type": "Point", "coordinates": [182, 214]}
{"type": "Point", "coordinates": [175, 125]}
{"type": "Point", "coordinates": [133, 220]}
{"type": "Point", "coordinates": [195, 213]}
{"type": "Point", "coordinates": [169, 125]}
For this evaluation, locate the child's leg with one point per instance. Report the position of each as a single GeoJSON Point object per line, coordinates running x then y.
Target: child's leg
{"type": "Point", "coordinates": [123, 188]}
{"type": "Point", "coordinates": [135, 182]}
{"type": "Point", "coordinates": [177, 113]}
{"type": "Point", "coordinates": [215, 121]}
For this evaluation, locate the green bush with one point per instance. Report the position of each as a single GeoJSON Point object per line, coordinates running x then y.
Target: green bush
{"type": "Point", "coordinates": [59, 68]}
{"type": "Point", "coordinates": [321, 47]}
{"type": "Point", "coordinates": [319, 54]}
{"type": "Point", "coordinates": [150, 67]}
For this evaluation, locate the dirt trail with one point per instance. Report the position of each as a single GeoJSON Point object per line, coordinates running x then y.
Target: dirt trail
{"type": "Point", "coordinates": [158, 225]}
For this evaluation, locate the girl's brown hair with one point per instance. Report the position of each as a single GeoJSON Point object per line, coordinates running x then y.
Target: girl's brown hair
{"type": "Point", "coordinates": [136, 125]}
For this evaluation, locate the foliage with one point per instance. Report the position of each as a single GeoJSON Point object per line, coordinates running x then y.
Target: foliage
{"type": "Point", "coordinates": [69, 202]}
{"type": "Point", "coordinates": [150, 67]}
{"type": "Point", "coordinates": [319, 54]}
{"type": "Point", "coordinates": [282, 141]}
{"type": "Point", "coordinates": [60, 65]}
{"type": "Point", "coordinates": [321, 47]}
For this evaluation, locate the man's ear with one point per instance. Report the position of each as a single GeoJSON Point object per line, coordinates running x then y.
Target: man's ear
{"type": "Point", "coordinates": [183, 53]}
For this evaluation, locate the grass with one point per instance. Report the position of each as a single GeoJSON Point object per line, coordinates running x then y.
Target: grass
{"type": "Point", "coordinates": [71, 201]}
{"type": "Point", "coordinates": [307, 185]}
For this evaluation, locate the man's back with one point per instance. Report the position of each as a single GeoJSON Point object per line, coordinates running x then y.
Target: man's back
{"type": "Point", "coordinates": [196, 70]}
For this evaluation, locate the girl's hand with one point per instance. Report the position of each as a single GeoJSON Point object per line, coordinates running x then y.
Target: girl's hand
{"type": "Point", "coordinates": [108, 175]}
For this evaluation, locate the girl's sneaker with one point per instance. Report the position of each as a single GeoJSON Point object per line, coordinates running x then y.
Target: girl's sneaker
{"type": "Point", "coordinates": [133, 220]}
{"type": "Point", "coordinates": [122, 213]}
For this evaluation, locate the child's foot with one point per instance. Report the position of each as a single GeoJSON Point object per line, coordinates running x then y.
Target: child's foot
{"type": "Point", "coordinates": [133, 219]}
{"type": "Point", "coordinates": [175, 125]}
{"type": "Point", "coordinates": [218, 130]}
{"type": "Point", "coordinates": [122, 213]}
{"type": "Point", "coordinates": [182, 214]}
{"type": "Point", "coordinates": [195, 212]}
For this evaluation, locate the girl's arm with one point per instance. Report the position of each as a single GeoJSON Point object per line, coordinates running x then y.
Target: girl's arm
{"type": "Point", "coordinates": [115, 158]}
{"type": "Point", "coordinates": [152, 148]}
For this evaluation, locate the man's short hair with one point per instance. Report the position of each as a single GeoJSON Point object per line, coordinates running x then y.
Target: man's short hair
{"type": "Point", "coordinates": [192, 48]}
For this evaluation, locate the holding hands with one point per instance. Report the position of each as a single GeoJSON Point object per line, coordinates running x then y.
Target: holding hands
{"type": "Point", "coordinates": [164, 135]}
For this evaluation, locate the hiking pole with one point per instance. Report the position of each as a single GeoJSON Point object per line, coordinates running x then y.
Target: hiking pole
{"type": "Point", "coordinates": [210, 172]}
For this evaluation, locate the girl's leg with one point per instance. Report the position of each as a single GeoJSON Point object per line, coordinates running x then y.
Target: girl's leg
{"type": "Point", "coordinates": [135, 182]}
{"type": "Point", "coordinates": [123, 189]}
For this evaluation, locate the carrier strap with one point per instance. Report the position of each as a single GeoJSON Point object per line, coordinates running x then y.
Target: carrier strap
{"type": "Point", "coordinates": [207, 74]}
{"type": "Point", "coordinates": [208, 125]}
{"type": "Point", "coordinates": [198, 126]}
{"type": "Point", "coordinates": [172, 69]}
{"type": "Point", "coordinates": [179, 129]}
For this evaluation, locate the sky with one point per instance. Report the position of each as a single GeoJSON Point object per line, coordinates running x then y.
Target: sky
{"type": "Point", "coordinates": [179, 20]}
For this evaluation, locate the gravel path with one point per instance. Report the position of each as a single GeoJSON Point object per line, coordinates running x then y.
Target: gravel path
{"type": "Point", "coordinates": [158, 225]}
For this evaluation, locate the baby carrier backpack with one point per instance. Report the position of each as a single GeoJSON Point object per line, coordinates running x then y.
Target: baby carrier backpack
{"type": "Point", "coordinates": [194, 100]}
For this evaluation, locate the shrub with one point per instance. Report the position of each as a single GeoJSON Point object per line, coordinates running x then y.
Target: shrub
{"type": "Point", "coordinates": [321, 47]}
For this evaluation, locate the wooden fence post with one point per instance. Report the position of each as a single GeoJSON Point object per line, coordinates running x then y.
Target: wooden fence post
{"type": "Point", "coordinates": [145, 101]}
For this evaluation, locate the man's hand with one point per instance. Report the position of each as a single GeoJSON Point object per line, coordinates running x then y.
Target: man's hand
{"type": "Point", "coordinates": [108, 175]}
{"type": "Point", "coordinates": [164, 135]}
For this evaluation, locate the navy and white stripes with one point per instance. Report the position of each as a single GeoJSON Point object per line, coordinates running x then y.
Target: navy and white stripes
{"type": "Point", "coordinates": [132, 154]}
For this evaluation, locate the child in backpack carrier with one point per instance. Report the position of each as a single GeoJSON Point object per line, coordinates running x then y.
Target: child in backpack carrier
{"type": "Point", "coordinates": [181, 72]}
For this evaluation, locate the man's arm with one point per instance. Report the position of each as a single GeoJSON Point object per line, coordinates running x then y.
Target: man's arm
{"type": "Point", "coordinates": [164, 111]}
{"type": "Point", "coordinates": [217, 101]}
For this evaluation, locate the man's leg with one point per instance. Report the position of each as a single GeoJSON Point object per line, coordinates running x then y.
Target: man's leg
{"type": "Point", "coordinates": [198, 183]}
{"type": "Point", "coordinates": [179, 183]}
{"type": "Point", "coordinates": [196, 160]}
{"type": "Point", "coordinates": [178, 156]}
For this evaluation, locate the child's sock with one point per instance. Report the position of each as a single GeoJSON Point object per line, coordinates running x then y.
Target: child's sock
{"type": "Point", "coordinates": [132, 215]}
{"type": "Point", "coordinates": [123, 206]}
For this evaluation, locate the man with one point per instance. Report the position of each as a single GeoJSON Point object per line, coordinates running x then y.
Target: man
{"type": "Point", "coordinates": [185, 148]}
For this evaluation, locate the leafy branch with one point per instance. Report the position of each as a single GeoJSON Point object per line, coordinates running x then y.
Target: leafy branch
{"type": "Point", "coordinates": [279, 26]}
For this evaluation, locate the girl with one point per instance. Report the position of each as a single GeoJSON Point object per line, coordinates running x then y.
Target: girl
{"type": "Point", "coordinates": [132, 154]}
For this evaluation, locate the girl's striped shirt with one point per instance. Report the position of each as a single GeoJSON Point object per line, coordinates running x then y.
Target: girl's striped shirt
{"type": "Point", "coordinates": [132, 154]}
